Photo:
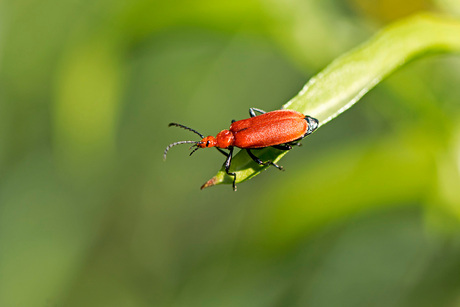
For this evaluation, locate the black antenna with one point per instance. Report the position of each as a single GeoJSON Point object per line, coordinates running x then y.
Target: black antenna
{"type": "Point", "coordinates": [178, 143]}
{"type": "Point", "coordinates": [187, 128]}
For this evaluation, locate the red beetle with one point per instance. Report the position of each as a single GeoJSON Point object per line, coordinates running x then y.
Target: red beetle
{"type": "Point", "coordinates": [280, 129]}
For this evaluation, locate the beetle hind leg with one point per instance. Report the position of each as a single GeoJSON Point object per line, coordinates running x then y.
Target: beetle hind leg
{"type": "Point", "coordinates": [287, 146]}
{"type": "Point", "coordinates": [252, 111]}
{"type": "Point", "coordinates": [260, 162]}
{"type": "Point", "coordinates": [283, 146]}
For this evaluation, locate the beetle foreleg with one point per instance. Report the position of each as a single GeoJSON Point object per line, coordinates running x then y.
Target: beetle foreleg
{"type": "Point", "coordinates": [252, 111]}
{"type": "Point", "coordinates": [227, 164]}
{"type": "Point", "coordinates": [260, 162]}
{"type": "Point", "coordinates": [222, 152]}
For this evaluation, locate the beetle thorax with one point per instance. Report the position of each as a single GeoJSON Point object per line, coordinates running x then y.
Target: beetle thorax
{"type": "Point", "coordinates": [225, 139]}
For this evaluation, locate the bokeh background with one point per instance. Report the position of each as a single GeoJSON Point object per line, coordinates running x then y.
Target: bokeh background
{"type": "Point", "coordinates": [366, 213]}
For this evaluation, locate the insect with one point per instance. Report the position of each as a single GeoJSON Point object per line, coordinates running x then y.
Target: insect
{"type": "Point", "coordinates": [280, 129]}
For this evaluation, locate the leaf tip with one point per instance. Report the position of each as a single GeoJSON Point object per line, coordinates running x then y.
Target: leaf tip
{"type": "Point", "coordinates": [211, 182]}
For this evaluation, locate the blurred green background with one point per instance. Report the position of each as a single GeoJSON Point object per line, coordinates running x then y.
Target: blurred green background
{"type": "Point", "coordinates": [366, 214]}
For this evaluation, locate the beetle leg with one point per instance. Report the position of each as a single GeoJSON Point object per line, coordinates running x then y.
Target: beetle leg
{"type": "Point", "coordinates": [252, 111]}
{"type": "Point", "coordinates": [288, 146]}
{"type": "Point", "coordinates": [283, 146]}
{"type": "Point", "coordinates": [222, 152]}
{"type": "Point", "coordinates": [296, 142]}
{"type": "Point", "coordinates": [227, 164]}
{"type": "Point", "coordinates": [313, 124]}
{"type": "Point", "coordinates": [260, 162]}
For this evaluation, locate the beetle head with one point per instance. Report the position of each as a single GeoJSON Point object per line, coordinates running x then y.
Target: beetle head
{"type": "Point", "coordinates": [207, 142]}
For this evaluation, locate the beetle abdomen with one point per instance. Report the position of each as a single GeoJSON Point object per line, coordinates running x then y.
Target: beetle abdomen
{"type": "Point", "coordinates": [268, 134]}
{"type": "Point", "coordinates": [268, 129]}
{"type": "Point", "coordinates": [265, 118]}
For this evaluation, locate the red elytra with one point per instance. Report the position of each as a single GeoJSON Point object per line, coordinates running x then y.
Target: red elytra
{"type": "Point", "coordinates": [280, 129]}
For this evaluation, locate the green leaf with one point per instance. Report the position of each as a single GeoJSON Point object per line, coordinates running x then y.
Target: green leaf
{"type": "Point", "coordinates": [341, 84]}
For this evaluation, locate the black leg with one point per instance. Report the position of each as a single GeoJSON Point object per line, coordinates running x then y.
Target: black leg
{"type": "Point", "coordinates": [233, 121]}
{"type": "Point", "coordinates": [287, 146]}
{"type": "Point", "coordinates": [252, 111]}
{"type": "Point", "coordinates": [283, 147]}
{"type": "Point", "coordinates": [227, 164]}
{"type": "Point", "coordinates": [222, 152]}
{"type": "Point", "coordinates": [260, 162]}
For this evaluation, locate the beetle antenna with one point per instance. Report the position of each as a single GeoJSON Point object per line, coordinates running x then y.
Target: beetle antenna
{"type": "Point", "coordinates": [187, 128]}
{"type": "Point", "coordinates": [177, 143]}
